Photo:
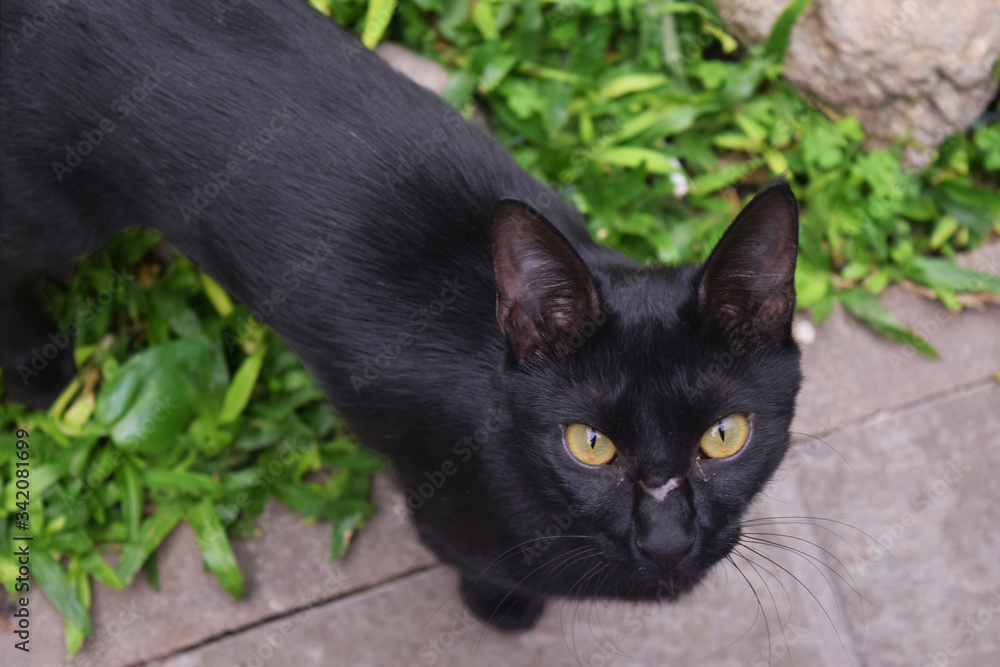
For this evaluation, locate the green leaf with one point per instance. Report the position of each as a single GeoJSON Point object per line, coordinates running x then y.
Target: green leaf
{"type": "Point", "coordinates": [944, 229]}
{"type": "Point", "coordinates": [495, 71]}
{"type": "Point", "coordinates": [99, 568]}
{"type": "Point", "coordinates": [867, 308]}
{"type": "Point", "coordinates": [524, 98]}
{"type": "Point", "coordinates": [154, 394]}
{"type": "Point", "coordinates": [811, 286]}
{"type": "Point", "coordinates": [238, 394]}
{"type": "Point", "coordinates": [343, 530]}
{"type": "Point", "coordinates": [631, 83]}
{"type": "Point", "coordinates": [216, 551]}
{"type": "Point", "coordinates": [659, 122]}
{"type": "Point", "coordinates": [739, 142]}
{"type": "Point", "coordinates": [130, 490]}
{"type": "Point", "coordinates": [742, 82]}
{"type": "Point", "coordinates": [154, 531]}
{"type": "Point", "coordinates": [715, 180]}
{"type": "Point", "coordinates": [482, 17]}
{"type": "Point", "coordinates": [629, 156]}
{"type": "Point", "coordinates": [181, 481]}
{"type": "Point", "coordinates": [58, 588]}
{"type": "Point", "coordinates": [80, 581]}
{"type": "Point", "coordinates": [940, 272]}
{"type": "Point", "coordinates": [152, 570]}
{"type": "Point", "coordinates": [74, 638]}
{"type": "Point", "coordinates": [80, 411]}
{"type": "Point", "coordinates": [453, 14]}
{"type": "Point", "coordinates": [726, 41]}
{"type": "Point", "coordinates": [987, 140]}
{"type": "Point", "coordinates": [712, 73]}
{"type": "Point", "coordinates": [977, 208]}
{"type": "Point", "coordinates": [45, 476]}
{"type": "Point", "coordinates": [781, 31]}
{"type": "Point", "coordinates": [376, 21]}
{"type": "Point", "coordinates": [305, 499]}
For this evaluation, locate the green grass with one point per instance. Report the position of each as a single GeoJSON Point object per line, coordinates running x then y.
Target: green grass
{"type": "Point", "coordinates": [646, 115]}
{"type": "Point", "coordinates": [184, 409]}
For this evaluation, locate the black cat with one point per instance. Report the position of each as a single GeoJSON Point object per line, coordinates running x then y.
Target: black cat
{"type": "Point", "coordinates": [563, 421]}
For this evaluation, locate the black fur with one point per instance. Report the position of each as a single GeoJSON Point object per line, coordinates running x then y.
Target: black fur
{"type": "Point", "coordinates": [363, 233]}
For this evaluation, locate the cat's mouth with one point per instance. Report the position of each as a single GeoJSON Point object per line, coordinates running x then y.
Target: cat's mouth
{"type": "Point", "coordinates": [635, 580]}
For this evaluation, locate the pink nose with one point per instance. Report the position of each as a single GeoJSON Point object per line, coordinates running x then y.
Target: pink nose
{"type": "Point", "coordinates": [667, 553]}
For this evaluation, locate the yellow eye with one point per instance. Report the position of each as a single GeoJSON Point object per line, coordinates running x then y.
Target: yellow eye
{"type": "Point", "coordinates": [726, 437]}
{"type": "Point", "coordinates": [588, 445]}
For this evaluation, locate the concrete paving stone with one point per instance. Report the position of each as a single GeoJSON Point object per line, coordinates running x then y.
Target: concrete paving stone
{"type": "Point", "coordinates": [919, 498]}
{"type": "Point", "coordinates": [851, 372]}
{"type": "Point", "coordinates": [287, 568]}
{"type": "Point", "coordinates": [420, 620]}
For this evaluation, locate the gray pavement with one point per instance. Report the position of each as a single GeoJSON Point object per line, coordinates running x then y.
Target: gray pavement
{"type": "Point", "coordinates": [901, 463]}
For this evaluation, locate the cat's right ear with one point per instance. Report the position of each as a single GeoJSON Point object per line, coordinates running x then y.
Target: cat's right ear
{"type": "Point", "coordinates": [545, 295]}
{"type": "Point", "coordinates": [747, 289]}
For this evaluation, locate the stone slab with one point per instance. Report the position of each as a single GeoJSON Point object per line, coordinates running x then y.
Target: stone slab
{"type": "Point", "coordinates": [851, 372]}
{"type": "Point", "coordinates": [919, 498]}
{"type": "Point", "coordinates": [287, 568]}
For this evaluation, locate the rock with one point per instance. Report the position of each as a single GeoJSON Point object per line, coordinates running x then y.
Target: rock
{"type": "Point", "coordinates": [427, 73]}
{"type": "Point", "coordinates": [919, 66]}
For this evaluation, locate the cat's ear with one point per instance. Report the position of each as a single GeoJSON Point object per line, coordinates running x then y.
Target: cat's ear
{"type": "Point", "coordinates": [545, 295]}
{"type": "Point", "coordinates": [748, 286]}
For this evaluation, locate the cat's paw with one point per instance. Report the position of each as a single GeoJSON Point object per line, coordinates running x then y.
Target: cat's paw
{"type": "Point", "coordinates": [500, 608]}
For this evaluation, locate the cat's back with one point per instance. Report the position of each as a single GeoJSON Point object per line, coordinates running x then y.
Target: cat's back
{"type": "Point", "coordinates": [258, 119]}
{"type": "Point", "coordinates": [192, 87]}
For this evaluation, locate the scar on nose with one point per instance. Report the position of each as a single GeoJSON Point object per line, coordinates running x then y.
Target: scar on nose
{"type": "Point", "coordinates": [660, 492]}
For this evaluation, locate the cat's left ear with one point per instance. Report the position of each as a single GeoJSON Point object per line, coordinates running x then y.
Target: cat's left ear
{"type": "Point", "coordinates": [748, 285]}
{"type": "Point", "coordinates": [545, 295]}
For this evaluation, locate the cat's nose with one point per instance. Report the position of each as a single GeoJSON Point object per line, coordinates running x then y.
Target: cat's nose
{"type": "Point", "coordinates": [666, 552]}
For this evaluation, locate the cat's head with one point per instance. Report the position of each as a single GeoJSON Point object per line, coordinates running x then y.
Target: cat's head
{"type": "Point", "coordinates": [648, 405]}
